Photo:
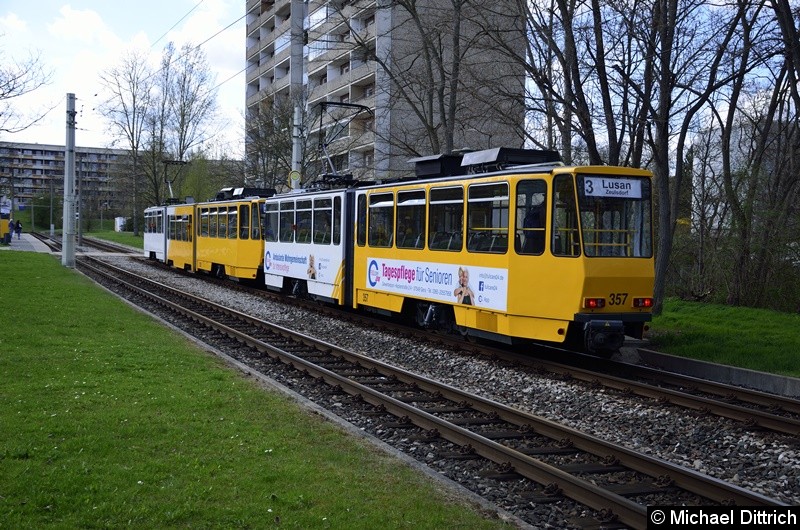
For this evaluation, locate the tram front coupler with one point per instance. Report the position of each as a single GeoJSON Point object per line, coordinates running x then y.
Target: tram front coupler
{"type": "Point", "coordinates": [603, 336]}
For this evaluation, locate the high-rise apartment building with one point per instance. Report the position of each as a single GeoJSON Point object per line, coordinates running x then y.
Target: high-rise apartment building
{"type": "Point", "coordinates": [36, 171]}
{"type": "Point", "coordinates": [359, 62]}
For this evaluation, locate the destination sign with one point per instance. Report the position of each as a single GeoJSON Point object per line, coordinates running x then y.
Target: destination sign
{"type": "Point", "coordinates": [612, 187]}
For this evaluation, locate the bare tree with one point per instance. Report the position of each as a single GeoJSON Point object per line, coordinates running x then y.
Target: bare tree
{"type": "Point", "coordinates": [19, 78]}
{"type": "Point", "coordinates": [192, 101]}
{"type": "Point", "coordinates": [787, 22]}
{"type": "Point", "coordinates": [761, 146]}
{"type": "Point", "coordinates": [268, 137]}
{"type": "Point", "coordinates": [584, 93]}
{"type": "Point", "coordinates": [129, 86]}
{"type": "Point", "coordinates": [178, 119]}
{"type": "Point", "coordinates": [417, 69]}
{"type": "Point", "coordinates": [621, 82]}
{"type": "Point", "coordinates": [431, 104]}
{"type": "Point", "coordinates": [156, 120]}
{"type": "Point", "coordinates": [744, 176]}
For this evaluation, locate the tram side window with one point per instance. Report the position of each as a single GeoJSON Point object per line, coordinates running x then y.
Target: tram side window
{"type": "Point", "coordinates": [565, 238]}
{"type": "Point", "coordinates": [232, 218]}
{"type": "Point", "coordinates": [361, 224]}
{"type": "Point", "coordinates": [261, 215]}
{"type": "Point", "coordinates": [487, 218]}
{"type": "Point", "coordinates": [322, 221]}
{"type": "Point", "coordinates": [174, 228]}
{"type": "Point", "coordinates": [337, 220]}
{"type": "Point", "coordinates": [446, 219]}
{"type": "Point", "coordinates": [184, 229]}
{"type": "Point", "coordinates": [530, 217]}
{"type": "Point", "coordinates": [212, 222]}
{"type": "Point", "coordinates": [381, 219]}
{"type": "Point", "coordinates": [287, 222]}
{"type": "Point", "coordinates": [154, 222]}
{"type": "Point", "coordinates": [244, 221]}
{"type": "Point", "coordinates": [410, 219]}
{"type": "Point", "coordinates": [255, 222]}
{"type": "Point", "coordinates": [178, 226]}
{"type": "Point", "coordinates": [203, 226]}
{"type": "Point", "coordinates": [303, 219]}
{"type": "Point", "coordinates": [271, 221]}
{"type": "Point", "coordinates": [222, 222]}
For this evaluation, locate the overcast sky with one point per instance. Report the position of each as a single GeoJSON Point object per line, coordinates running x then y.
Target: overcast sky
{"type": "Point", "coordinates": [79, 39]}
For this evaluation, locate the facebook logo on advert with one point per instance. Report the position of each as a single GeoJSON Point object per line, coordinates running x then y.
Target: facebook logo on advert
{"type": "Point", "coordinates": [480, 285]}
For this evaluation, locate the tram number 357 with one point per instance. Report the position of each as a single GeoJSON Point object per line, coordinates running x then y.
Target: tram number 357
{"type": "Point", "coordinates": [617, 298]}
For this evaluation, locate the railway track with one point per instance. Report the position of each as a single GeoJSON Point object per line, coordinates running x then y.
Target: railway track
{"type": "Point", "coordinates": [535, 462]}
{"type": "Point", "coordinates": [753, 409]}
{"type": "Point", "coordinates": [92, 243]}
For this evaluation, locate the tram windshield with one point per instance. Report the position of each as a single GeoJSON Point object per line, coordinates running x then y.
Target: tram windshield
{"type": "Point", "coordinates": [615, 215]}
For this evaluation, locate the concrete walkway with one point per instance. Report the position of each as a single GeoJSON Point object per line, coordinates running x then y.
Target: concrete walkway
{"type": "Point", "coordinates": [26, 243]}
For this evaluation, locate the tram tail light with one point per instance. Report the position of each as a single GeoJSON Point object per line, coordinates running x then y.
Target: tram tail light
{"type": "Point", "coordinates": [643, 302]}
{"type": "Point", "coordinates": [594, 303]}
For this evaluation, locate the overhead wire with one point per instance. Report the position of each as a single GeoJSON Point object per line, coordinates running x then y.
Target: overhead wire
{"type": "Point", "coordinates": [197, 46]}
{"type": "Point", "coordinates": [178, 22]}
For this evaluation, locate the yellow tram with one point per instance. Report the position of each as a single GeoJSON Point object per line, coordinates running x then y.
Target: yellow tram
{"type": "Point", "coordinates": [504, 244]}
{"type": "Point", "coordinates": [222, 237]}
{"type": "Point", "coordinates": [536, 251]}
{"type": "Point", "coordinates": [229, 240]}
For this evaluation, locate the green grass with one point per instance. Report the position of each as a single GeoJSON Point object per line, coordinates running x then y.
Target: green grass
{"type": "Point", "coordinates": [125, 238]}
{"type": "Point", "coordinates": [758, 339]}
{"type": "Point", "coordinates": [110, 420]}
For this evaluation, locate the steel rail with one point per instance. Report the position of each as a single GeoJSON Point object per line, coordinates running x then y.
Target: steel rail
{"type": "Point", "coordinates": [583, 491]}
{"type": "Point", "coordinates": [720, 407]}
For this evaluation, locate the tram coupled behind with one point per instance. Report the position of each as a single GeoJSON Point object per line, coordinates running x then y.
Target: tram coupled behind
{"type": "Point", "coordinates": [155, 237]}
{"type": "Point", "coordinates": [229, 240]}
{"type": "Point", "coordinates": [221, 237]}
{"type": "Point", "coordinates": [308, 244]}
